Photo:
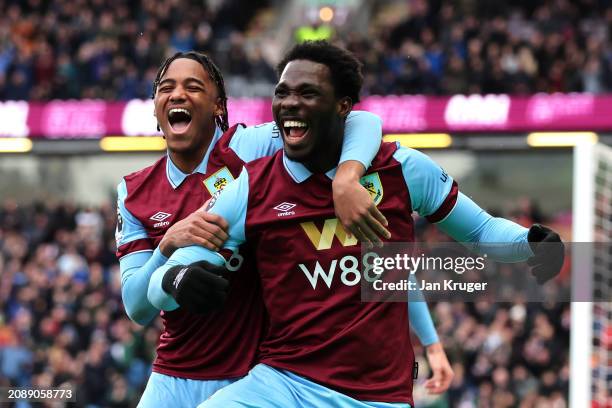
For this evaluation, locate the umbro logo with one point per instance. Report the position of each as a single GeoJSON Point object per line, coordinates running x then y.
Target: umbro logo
{"type": "Point", "coordinates": [284, 209]}
{"type": "Point", "coordinates": [160, 216]}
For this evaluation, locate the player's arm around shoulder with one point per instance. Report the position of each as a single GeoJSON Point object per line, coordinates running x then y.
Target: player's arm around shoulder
{"type": "Point", "coordinates": [254, 142]}
{"type": "Point", "coordinates": [352, 203]}
{"type": "Point", "coordinates": [363, 135]}
{"type": "Point", "coordinates": [193, 276]}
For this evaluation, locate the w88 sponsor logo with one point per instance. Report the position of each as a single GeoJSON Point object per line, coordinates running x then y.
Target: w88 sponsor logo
{"type": "Point", "coordinates": [347, 269]}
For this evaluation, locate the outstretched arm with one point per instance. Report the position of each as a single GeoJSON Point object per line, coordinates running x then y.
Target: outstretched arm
{"type": "Point", "coordinates": [539, 245]}
{"type": "Point", "coordinates": [467, 222]}
{"type": "Point", "coordinates": [435, 195]}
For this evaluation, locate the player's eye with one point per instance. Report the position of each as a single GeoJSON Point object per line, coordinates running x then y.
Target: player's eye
{"type": "Point", "coordinates": [280, 93]}
{"type": "Point", "coordinates": [165, 89]}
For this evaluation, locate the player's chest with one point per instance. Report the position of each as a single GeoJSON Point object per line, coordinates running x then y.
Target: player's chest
{"type": "Point", "coordinates": [171, 205]}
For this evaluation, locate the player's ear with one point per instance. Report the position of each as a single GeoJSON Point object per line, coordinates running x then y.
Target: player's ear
{"type": "Point", "coordinates": [344, 106]}
{"type": "Point", "coordinates": [219, 108]}
{"type": "Point", "coordinates": [158, 128]}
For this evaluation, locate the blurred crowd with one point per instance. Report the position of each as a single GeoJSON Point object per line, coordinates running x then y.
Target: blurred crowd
{"type": "Point", "coordinates": [504, 355]}
{"type": "Point", "coordinates": [489, 46]}
{"type": "Point", "coordinates": [111, 50]}
{"type": "Point", "coordinates": [62, 322]}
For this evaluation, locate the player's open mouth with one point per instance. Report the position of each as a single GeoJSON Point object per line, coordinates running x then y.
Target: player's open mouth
{"type": "Point", "coordinates": [179, 119]}
{"type": "Point", "coordinates": [295, 130]}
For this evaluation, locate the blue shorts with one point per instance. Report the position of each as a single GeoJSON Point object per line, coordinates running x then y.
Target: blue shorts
{"type": "Point", "coordinates": [267, 387]}
{"type": "Point", "coordinates": [167, 391]}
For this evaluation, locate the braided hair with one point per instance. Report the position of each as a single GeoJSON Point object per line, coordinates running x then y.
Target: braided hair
{"type": "Point", "coordinates": [213, 71]}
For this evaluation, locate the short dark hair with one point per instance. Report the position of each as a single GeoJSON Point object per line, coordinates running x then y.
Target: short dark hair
{"type": "Point", "coordinates": [215, 75]}
{"type": "Point", "coordinates": [345, 68]}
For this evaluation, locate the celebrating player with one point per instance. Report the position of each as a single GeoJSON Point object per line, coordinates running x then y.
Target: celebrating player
{"type": "Point", "coordinates": [199, 354]}
{"type": "Point", "coordinates": [324, 347]}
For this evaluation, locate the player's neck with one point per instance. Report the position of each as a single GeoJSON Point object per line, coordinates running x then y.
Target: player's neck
{"type": "Point", "coordinates": [324, 158]}
{"type": "Point", "coordinates": [188, 161]}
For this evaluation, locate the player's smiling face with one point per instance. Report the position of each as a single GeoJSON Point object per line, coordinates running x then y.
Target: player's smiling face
{"type": "Point", "coordinates": [305, 109]}
{"type": "Point", "coordinates": [186, 103]}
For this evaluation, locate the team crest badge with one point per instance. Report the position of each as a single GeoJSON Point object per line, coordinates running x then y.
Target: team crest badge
{"type": "Point", "coordinates": [218, 180]}
{"type": "Point", "coordinates": [372, 183]}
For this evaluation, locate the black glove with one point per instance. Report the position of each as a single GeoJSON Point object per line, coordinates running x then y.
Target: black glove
{"type": "Point", "coordinates": [548, 253]}
{"type": "Point", "coordinates": [200, 287]}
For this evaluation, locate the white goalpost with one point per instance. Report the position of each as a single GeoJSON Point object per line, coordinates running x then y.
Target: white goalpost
{"type": "Point", "coordinates": [591, 321]}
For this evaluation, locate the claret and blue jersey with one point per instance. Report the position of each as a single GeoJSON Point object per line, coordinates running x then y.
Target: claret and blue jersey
{"type": "Point", "coordinates": [319, 329]}
{"type": "Point", "coordinates": [222, 345]}
{"type": "Point", "coordinates": [152, 200]}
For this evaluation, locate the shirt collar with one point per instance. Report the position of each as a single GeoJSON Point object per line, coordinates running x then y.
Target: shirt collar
{"type": "Point", "coordinates": [176, 176]}
{"type": "Point", "coordinates": [299, 173]}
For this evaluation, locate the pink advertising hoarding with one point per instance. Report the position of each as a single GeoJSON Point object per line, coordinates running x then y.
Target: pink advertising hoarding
{"type": "Point", "coordinates": [405, 113]}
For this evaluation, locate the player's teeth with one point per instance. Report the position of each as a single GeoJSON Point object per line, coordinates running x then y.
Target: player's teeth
{"type": "Point", "coordinates": [294, 123]}
{"type": "Point", "coordinates": [179, 110]}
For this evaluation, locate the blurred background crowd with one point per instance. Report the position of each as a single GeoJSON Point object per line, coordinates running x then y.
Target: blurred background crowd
{"type": "Point", "coordinates": [111, 50]}
{"type": "Point", "coordinates": [61, 317]}
{"type": "Point", "coordinates": [62, 321]}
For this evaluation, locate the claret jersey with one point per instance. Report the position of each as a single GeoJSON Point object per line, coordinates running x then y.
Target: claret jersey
{"type": "Point", "coordinates": [310, 268]}
{"type": "Point", "coordinates": [156, 198]}
{"type": "Point", "coordinates": [223, 344]}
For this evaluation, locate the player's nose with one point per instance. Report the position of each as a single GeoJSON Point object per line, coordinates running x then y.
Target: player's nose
{"type": "Point", "coordinates": [291, 101]}
{"type": "Point", "coordinates": [178, 94]}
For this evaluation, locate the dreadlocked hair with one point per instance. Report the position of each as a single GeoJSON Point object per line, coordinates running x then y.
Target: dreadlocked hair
{"type": "Point", "coordinates": [213, 71]}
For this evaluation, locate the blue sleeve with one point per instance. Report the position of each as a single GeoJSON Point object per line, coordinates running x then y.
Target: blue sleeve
{"type": "Point", "coordinates": [363, 134]}
{"type": "Point", "coordinates": [467, 222]}
{"type": "Point", "coordinates": [136, 271]}
{"type": "Point", "coordinates": [428, 184]}
{"type": "Point", "coordinates": [429, 187]}
{"type": "Point", "coordinates": [421, 323]}
{"type": "Point", "coordinates": [231, 204]}
{"type": "Point", "coordinates": [255, 142]}
{"type": "Point", "coordinates": [362, 137]}
{"type": "Point", "coordinates": [128, 227]}
{"type": "Point", "coordinates": [137, 267]}
{"type": "Point", "coordinates": [420, 318]}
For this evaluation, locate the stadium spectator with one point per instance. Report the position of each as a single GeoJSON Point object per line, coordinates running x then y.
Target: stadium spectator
{"type": "Point", "coordinates": [99, 50]}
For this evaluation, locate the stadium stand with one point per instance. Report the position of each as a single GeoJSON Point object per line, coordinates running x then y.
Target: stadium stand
{"type": "Point", "coordinates": [92, 49]}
